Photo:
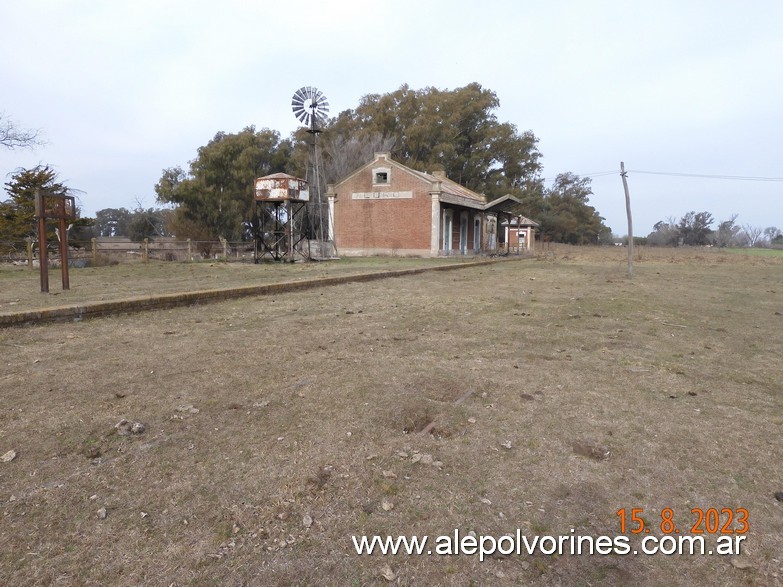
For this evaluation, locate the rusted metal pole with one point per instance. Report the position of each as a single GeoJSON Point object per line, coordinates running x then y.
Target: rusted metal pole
{"type": "Point", "coordinates": [64, 254]}
{"type": "Point", "coordinates": [42, 257]}
{"type": "Point", "coordinates": [289, 230]}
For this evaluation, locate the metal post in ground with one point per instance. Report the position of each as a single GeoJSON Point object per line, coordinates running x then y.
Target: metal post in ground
{"type": "Point", "coordinates": [42, 244]}
{"type": "Point", "coordinates": [64, 254]}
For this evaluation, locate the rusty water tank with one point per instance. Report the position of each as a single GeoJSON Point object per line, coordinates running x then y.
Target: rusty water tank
{"type": "Point", "coordinates": [280, 187]}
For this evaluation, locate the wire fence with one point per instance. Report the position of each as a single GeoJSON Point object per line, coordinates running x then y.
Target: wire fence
{"type": "Point", "coordinates": [113, 250]}
{"type": "Point", "coordinates": [116, 250]}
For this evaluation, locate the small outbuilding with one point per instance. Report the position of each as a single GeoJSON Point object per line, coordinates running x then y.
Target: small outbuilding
{"type": "Point", "coordinates": [386, 208]}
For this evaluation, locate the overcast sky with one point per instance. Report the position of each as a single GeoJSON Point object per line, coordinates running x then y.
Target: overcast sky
{"type": "Point", "coordinates": [123, 89]}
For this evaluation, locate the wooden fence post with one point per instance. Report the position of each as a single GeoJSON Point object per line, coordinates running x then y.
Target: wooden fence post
{"type": "Point", "coordinates": [94, 242]}
{"type": "Point", "coordinates": [146, 256]}
{"type": "Point", "coordinates": [29, 241]}
{"type": "Point", "coordinates": [623, 174]}
{"type": "Point", "coordinates": [190, 251]}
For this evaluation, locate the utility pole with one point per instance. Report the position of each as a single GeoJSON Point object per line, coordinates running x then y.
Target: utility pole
{"type": "Point", "coordinates": [623, 174]}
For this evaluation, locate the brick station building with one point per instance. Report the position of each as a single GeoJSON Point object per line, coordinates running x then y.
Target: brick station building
{"type": "Point", "coordinates": [386, 208]}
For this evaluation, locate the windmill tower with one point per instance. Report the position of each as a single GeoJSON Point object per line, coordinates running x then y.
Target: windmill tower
{"type": "Point", "coordinates": [311, 108]}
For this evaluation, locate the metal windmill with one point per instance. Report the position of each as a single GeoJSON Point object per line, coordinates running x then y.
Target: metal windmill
{"type": "Point", "coordinates": [311, 108]}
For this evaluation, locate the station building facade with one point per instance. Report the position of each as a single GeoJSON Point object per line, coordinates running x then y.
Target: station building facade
{"type": "Point", "coordinates": [386, 208]}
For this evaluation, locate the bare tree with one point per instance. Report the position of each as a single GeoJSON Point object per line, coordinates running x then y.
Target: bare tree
{"type": "Point", "coordinates": [345, 154]}
{"type": "Point", "coordinates": [13, 137]}
{"type": "Point", "coordinates": [751, 234]}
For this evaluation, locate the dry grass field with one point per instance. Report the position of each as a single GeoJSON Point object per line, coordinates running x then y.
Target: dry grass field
{"type": "Point", "coordinates": [20, 287]}
{"type": "Point", "coordinates": [275, 428]}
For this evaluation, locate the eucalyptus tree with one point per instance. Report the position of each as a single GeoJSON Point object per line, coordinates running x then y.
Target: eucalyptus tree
{"type": "Point", "coordinates": [215, 195]}
{"type": "Point", "coordinates": [566, 216]}
{"type": "Point", "coordinates": [454, 130]}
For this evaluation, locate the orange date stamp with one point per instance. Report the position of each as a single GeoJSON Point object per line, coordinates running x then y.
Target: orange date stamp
{"type": "Point", "coordinates": [700, 521]}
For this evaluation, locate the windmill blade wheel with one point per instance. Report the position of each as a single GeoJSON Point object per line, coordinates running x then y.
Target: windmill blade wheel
{"type": "Point", "coordinates": [309, 105]}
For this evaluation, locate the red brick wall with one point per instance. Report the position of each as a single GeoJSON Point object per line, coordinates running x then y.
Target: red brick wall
{"type": "Point", "coordinates": [513, 237]}
{"type": "Point", "coordinates": [383, 224]}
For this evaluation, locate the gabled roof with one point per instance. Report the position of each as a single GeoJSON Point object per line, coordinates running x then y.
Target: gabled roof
{"type": "Point", "coordinates": [508, 204]}
{"type": "Point", "coordinates": [280, 176]}
{"type": "Point", "coordinates": [450, 191]}
{"type": "Point", "coordinates": [523, 222]}
{"type": "Point", "coordinates": [379, 158]}
{"type": "Point", "coordinates": [450, 187]}
{"type": "Point", "coordinates": [463, 195]}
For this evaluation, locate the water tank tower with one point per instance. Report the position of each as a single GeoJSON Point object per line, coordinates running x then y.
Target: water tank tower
{"type": "Point", "coordinates": [281, 201]}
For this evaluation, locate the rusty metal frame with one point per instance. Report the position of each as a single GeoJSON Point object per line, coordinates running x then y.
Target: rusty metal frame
{"type": "Point", "coordinates": [60, 208]}
{"type": "Point", "coordinates": [281, 240]}
{"type": "Point", "coordinates": [281, 217]}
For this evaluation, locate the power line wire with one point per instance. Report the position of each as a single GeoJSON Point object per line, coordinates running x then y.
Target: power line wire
{"type": "Point", "coordinates": [581, 175]}
{"type": "Point", "coordinates": [731, 177]}
{"type": "Point", "coordinates": [673, 174]}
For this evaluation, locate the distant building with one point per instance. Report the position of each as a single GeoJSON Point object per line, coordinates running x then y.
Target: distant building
{"type": "Point", "coordinates": [386, 208]}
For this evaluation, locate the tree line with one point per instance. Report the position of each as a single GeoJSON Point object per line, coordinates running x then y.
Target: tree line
{"type": "Point", "coordinates": [456, 131]}
{"type": "Point", "coordinates": [696, 229]}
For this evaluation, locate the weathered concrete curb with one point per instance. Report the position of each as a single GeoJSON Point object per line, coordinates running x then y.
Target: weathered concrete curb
{"type": "Point", "coordinates": [139, 304]}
